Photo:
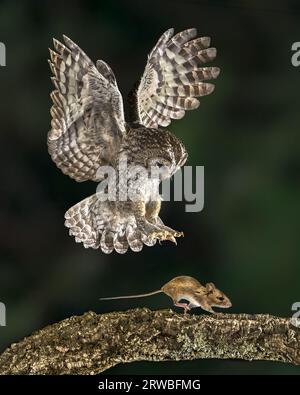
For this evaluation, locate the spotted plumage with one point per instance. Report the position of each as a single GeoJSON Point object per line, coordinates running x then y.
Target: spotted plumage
{"type": "Point", "coordinates": [88, 131]}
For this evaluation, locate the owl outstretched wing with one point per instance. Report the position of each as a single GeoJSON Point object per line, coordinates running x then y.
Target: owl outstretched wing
{"type": "Point", "coordinates": [174, 77]}
{"type": "Point", "coordinates": [87, 114]}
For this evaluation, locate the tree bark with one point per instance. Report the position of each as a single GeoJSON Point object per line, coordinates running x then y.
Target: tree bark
{"type": "Point", "coordinates": [91, 343]}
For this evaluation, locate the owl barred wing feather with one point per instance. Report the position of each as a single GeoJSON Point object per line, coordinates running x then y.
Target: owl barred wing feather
{"type": "Point", "coordinates": [81, 221]}
{"type": "Point", "coordinates": [88, 130]}
{"type": "Point", "coordinates": [99, 224]}
{"type": "Point", "coordinates": [87, 113]}
{"type": "Point", "coordinates": [173, 77]}
{"type": "Point", "coordinates": [88, 127]}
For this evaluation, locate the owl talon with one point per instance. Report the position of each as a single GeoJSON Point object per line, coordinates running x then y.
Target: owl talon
{"type": "Point", "coordinates": [165, 235]}
{"type": "Point", "coordinates": [153, 235]}
{"type": "Point", "coordinates": [178, 234]}
{"type": "Point", "coordinates": [159, 232]}
{"type": "Point", "coordinates": [171, 238]}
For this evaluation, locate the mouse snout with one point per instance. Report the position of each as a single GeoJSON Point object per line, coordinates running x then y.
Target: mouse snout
{"type": "Point", "coordinates": [229, 304]}
{"type": "Point", "coordinates": [226, 302]}
{"type": "Point", "coordinates": [221, 300]}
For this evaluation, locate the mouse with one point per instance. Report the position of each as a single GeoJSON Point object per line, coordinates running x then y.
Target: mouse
{"type": "Point", "coordinates": [191, 290]}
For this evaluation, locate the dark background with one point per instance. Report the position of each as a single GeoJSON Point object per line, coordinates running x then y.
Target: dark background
{"type": "Point", "coordinates": [246, 240]}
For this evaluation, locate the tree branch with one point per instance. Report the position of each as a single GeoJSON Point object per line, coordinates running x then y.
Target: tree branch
{"type": "Point", "coordinates": [91, 343]}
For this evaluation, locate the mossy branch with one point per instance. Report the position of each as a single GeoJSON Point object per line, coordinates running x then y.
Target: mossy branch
{"type": "Point", "coordinates": [91, 343]}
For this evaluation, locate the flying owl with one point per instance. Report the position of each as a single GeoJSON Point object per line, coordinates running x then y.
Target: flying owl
{"type": "Point", "coordinates": [88, 131]}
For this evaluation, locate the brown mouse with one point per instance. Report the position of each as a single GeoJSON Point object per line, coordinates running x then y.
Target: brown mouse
{"type": "Point", "coordinates": [188, 288]}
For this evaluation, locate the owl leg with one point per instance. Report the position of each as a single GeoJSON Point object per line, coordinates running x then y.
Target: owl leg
{"type": "Point", "coordinates": [150, 224]}
{"type": "Point", "coordinates": [152, 212]}
{"type": "Point", "coordinates": [143, 224]}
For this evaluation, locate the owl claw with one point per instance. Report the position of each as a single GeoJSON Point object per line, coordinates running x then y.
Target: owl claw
{"type": "Point", "coordinates": [179, 234]}
{"type": "Point", "coordinates": [165, 234]}
{"type": "Point", "coordinates": [160, 232]}
{"type": "Point", "coordinates": [171, 238]}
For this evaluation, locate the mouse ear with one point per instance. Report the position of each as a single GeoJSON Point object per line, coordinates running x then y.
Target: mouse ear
{"type": "Point", "coordinates": [210, 287]}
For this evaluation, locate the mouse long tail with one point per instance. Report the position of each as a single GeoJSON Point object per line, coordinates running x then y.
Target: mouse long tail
{"type": "Point", "coordinates": [133, 296]}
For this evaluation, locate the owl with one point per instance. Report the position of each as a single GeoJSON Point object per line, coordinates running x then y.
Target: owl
{"type": "Point", "coordinates": [89, 133]}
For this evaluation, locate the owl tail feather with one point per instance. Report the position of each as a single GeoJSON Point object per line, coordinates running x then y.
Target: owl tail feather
{"type": "Point", "coordinates": [104, 225]}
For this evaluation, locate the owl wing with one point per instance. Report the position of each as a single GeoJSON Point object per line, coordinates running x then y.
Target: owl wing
{"type": "Point", "coordinates": [87, 113]}
{"type": "Point", "coordinates": [173, 77]}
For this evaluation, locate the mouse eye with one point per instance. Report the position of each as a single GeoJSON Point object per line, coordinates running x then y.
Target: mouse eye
{"type": "Point", "coordinates": [221, 298]}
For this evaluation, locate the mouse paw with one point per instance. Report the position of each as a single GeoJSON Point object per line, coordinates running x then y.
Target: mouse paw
{"type": "Point", "coordinates": [185, 306]}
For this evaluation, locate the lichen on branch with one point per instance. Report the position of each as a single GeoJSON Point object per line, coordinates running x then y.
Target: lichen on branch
{"type": "Point", "coordinates": [92, 343]}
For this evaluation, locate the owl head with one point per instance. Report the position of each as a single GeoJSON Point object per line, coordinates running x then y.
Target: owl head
{"type": "Point", "coordinates": [157, 149]}
{"type": "Point", "coordinates": [166, 153]}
